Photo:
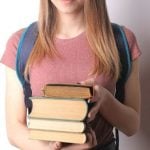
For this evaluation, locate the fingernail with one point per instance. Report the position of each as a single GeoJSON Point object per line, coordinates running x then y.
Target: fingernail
{"type": "Point", "coordinates": [89, 115]}
{"type": "Point", "coordinates": [89, 100]}
{"type": "Point", "coordinates": [58, 144]}
{"type": "Point", "coordinates": [82, 82]}
{"type": "Point", "coordinates": [96, 86]}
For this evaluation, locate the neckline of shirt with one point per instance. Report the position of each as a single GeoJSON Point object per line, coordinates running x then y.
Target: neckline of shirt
{"type": "Point", "coordinates": [82, 34]}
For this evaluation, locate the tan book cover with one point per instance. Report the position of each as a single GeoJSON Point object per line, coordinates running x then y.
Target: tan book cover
{"type": "Point", "coordinates": [56, 125]}
{"type": "Point", "coordinates": [68, 91]}
{"type": "Point", "coordinates": [59, 108]}
{"type": "Point", "coordinates": [67, 137]}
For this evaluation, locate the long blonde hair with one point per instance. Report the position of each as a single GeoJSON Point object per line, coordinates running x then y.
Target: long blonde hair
{"type": "Point", "coordinates": [98, 31]}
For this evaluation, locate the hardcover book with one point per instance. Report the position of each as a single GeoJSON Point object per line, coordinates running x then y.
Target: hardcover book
{"type": "Point", "coordinates": [56, 125]}
{"type": "Point", "coordinates": [59, 108]}
{"type": "Point", "coordinates": [67, 137]}
{"type": "Point", "coordinates": [68, 91]}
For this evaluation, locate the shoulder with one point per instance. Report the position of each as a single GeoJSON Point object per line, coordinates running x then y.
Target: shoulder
{"type": "Point", "coordinates": [130, 35]}
{"type": "Point", "coordinates": [132, 41]}
{"type": "Point", "coordinates": [9, 56]}
{"type": "Point", "coordinates": [14, 38]}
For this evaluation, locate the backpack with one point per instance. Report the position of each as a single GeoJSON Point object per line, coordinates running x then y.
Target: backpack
{"type": "Point", "coordinates": [26, 44]}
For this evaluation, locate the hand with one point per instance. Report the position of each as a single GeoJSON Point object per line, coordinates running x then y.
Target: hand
{"type": "Point", "coordinates": [91, 142]}
{"type": "Point", "coordinates": [55, 145]}
{"type": "Point", "coordinates": [100, 94]}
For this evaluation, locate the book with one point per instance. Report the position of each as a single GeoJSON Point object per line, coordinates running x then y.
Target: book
{"type": "Point", "coordinates": [68, 91]}
{"type": "Point", "coordinates": [75, 109]}
{"type": "Point", "coordinates": [60, 115]}
{"type": "Point", "coordinates": [67, 137]}
{"type": "Point", "coordinates": [56, 125]}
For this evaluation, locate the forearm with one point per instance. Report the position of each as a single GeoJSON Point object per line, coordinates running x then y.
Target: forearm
{"type": "Point", "coordinates": [18, 136]}
{"type": "Point", "coordinates": [123, 117]}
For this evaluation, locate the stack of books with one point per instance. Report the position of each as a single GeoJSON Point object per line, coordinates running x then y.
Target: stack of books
{"type": "Point", "coordinates": [60, 114]}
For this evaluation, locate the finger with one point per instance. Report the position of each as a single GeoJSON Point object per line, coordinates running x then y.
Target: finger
{"type": "Point", "coordinates": [89, 82]}
{"type": "Point", "coordinates": [51, 144]}
{"type": "Point", "coordinates": [94, 140]}
{"type": "Point", "coordinates": [58, 145]}
{"type": "Point", "coordinates": [89, 138]}
{"type": "Point", "coordinates": [97, 91]}
{"type": "Point", "coordinates": [55, 145]}
{"type": "Point", "coordinates": [92, 113]}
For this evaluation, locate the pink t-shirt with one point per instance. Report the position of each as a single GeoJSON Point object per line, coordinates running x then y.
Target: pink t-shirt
{"type": "Point", "coordinates": [73, 67]}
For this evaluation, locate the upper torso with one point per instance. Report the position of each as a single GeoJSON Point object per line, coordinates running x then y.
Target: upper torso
{"type": "Point", "coordinates": [74, 66]}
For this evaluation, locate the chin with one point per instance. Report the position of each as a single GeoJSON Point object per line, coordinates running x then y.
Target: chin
{"type": "Point", "coordinates": [69, 11]}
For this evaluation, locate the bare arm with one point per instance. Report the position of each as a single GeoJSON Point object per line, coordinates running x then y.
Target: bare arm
{"type": "Point", "coordinates": [16, 115]}
{"type": "Point", "coordinates": [125, 117]}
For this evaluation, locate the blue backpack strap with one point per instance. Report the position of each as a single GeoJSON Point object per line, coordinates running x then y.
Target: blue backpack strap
{"type": "Point", "coordinates": [25, 46]}
{"type": "Point", "coordinates": [125, 58]}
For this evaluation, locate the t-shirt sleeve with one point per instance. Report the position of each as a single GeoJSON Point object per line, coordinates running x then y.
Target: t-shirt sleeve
{"type": "Point", "coordinates": [9, 56]}
{"type": "Point", "coordinates": [133, 45]}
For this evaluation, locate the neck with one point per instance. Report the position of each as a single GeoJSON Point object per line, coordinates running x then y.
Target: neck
{"type": "Point", "coordinates": [70, 25]}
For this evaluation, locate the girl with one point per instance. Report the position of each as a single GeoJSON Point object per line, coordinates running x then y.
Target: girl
{"type": "Point", "coordinates": [75, 44]}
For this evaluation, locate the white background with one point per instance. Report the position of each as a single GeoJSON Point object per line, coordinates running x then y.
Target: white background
{"type": "Point", "coordinates": [132, 13]}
